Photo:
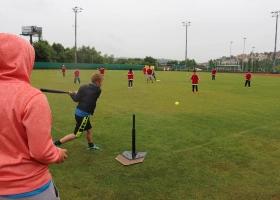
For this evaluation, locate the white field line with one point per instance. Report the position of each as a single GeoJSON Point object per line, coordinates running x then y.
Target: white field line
{"type": "Point", "coordinates": [218, 140]}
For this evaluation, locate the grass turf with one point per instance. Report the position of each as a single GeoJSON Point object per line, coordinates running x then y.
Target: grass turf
{"type": "Point", "coordinates": [222, 143]}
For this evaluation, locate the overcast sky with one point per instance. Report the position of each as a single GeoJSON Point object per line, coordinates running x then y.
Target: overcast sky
{"type": "Point", "coordinates": [139, 28]}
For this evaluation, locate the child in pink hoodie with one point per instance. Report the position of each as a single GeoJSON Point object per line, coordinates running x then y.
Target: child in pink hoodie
{"type": "Point", "coordinates": [26, 147]}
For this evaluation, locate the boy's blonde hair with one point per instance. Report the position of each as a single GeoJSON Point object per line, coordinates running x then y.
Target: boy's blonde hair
{"type": "Point", "coordinates": [96, 78]}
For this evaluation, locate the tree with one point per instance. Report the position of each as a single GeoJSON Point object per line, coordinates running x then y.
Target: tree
{"type": "Point", "coordinates": [43, 52]}
{"type": "Point", "coordinates": [150, 60]}
{"type": "Point", "coordinates": [59, 51]}
{"type": "Point", "coordinates": [172, 62]}
{"type": "Point", "coordinates": [70, 55]}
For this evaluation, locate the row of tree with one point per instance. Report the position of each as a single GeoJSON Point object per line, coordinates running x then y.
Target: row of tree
{"type": "Point", "coordinates": [44, 52]}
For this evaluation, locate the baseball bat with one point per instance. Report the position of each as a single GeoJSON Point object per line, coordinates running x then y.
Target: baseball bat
{"type": "Point", "coordinates": [52, 90]}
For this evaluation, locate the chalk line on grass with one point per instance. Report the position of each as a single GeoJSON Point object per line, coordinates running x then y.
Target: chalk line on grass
{"type": "Point", "coordinates": [216, 141]}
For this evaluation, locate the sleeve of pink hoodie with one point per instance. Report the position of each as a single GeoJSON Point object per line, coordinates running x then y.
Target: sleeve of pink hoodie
{"type": "Point", "coordinates": [37, 121]}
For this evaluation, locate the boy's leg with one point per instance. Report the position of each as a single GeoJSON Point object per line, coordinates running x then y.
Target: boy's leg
{"type": "Point", "coordinates": [66, 138]}
{"type": "Point", "coordinates": [196, 87]}
{"type": "Point", "coordinates": [246, 83]}
{"type": "Point", "coordinates": [82, 123]}
{"type": "Point", "coordinates": [89, 135]}
{"type": "Point", "coordinates": [75, 80]}
{"type": "Point", "coordinates": [90, 142]}
{"type": "Point", "coordinates": [79, 80]}
{"type": "Point", "coordinates": [193, 88]}
{"type": "Point", "coordinates": [131, 82]}
{"type": "Point", "coordinates": [249, 83]}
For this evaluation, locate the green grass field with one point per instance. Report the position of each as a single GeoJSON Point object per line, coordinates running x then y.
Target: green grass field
{"type": "Point", "coordinates": [222, 143]}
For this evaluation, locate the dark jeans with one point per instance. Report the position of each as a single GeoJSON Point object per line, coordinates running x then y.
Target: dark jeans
{"type": "Point", "coordinates": [196, 88]}
{"type": "Point", "coordinates": [77, 78]}
{"type": "Point", "coordinates": [213, 77]}
{"type": "Point", "coordinates": [247, 82]}
{"type": "Point", "coordinates": [130, 83]}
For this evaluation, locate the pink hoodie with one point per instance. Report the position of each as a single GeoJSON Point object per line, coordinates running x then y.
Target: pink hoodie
{"type": "Point", "coordinates": [26, 146]}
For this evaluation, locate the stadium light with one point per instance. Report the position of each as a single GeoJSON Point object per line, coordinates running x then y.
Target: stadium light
{"type": "Point", "coordinates": [275, 14]}
{"type": "Point", "coordinates": [230, 50]}
{"type": "Point", "coordinates": [243, 55]}
{"type": "Point", "coordinates": [186, 24]}
{"type": "Point", "coordinates": [76, 10]}
{"type": "Point", "coordinates": [252, 57]}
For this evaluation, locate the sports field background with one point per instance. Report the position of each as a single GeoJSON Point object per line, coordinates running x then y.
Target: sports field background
{"type": "Point", "coordinates": [222, 143]}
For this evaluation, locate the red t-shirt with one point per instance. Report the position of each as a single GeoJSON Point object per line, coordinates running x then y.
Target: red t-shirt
{"type": "Point", "coordinates": [248, 76]}
{"type": "Point", "coordinates": [130, 75]}
{"type": "Point", "coordinates": [77, 73]}
{"type": "Point", "coordinates": [144, 69]}
{"type": "Point", "coordinates": [63, 69]}
{"type": "Point", "coordinates": [195, 79]}
{"type": "Point", "coordinates": [214, 71]}
{"type": "Point", "coordinates": [101, 70]}
{"type": "Point", "coordinates": [149, 71]}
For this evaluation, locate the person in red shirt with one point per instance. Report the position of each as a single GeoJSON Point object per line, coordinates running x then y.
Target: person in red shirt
{"type": "Point", "coordinates": [101, 71]}
{"type": "Point", "coordinates": [214, 71]}
{"type": "Point", "coordinates": [63, 69]}
{"type": "Point", "coordinates": [77, 76]}
{"type": "Point", "coordinates": [195, 79]}
{"type": "Point", "coordinates": [149, 74]}
{"type": "Point", "coordinates": [144, 70]}
{"type": "Point", "coordinates": [248, 77]}
{"type": "Point", "coordinates": [130, 75]}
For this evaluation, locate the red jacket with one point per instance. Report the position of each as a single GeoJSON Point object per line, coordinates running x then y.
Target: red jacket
{"type": "Point", "coordinates": [76, 73]}
{"type": "Point", "coordinates": [63, 69]}
{"type": "Point", "coordinates": [195, 79]}
{"type": "Point", "coordinates": [149, 71]}
{"type": "Point", "coordinates": [102, 70]}
{"type": "Point", "coordinates": [248, 76]}
{"type": "Point", "coordinates": [144, 69]}
{"type": "Point", "coordinates": [130, 75]}
{"type": "Point", "coordinates": [214, 71]}
{"type": "Point", "coordinates": [26, 147]}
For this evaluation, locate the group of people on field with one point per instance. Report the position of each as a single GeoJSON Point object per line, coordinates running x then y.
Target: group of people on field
{"type": "Point", "coordinates": [26, 122]}
{"type": "Point", "coordinates": [149, 73]}
{"type": "Point", "coordinates": [195, 79]}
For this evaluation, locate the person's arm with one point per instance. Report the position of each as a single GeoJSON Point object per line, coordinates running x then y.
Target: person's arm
{"type": "Point", "coordinates": [76, 96]}
{"type": "Point", "coordinates": [37, 121]}
{"type": "Point", "coordinates": [98, 93]}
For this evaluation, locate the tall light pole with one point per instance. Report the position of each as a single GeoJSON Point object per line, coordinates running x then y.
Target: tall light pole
{"type": "Point", "coordinates": [186, 24]}
{"type": "Point", "coordinates": [275, 14]}
{"type": "Point", "coordinates": [230, 51]}
{"type": "Point", "coordinates": [252, 57]}
{"type": "Point", "coordinates": [76, 10]}
{"type": "Point", "coordinates": [243, 56]}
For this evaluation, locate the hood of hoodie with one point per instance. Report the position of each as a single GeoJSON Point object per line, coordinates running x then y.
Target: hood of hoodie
{"type": "Point", "coordinates": [17, 57]}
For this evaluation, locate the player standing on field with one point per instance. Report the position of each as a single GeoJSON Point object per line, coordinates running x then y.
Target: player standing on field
{"type": "Point", "coordinates": [194, 79]}
{"type": "Point", "coordinates": [130, 75]}
{"type": "Point", "coordinates": [149, 74]}
{"type": "Point", "coordinates": [101, 70]}
{"type": "Point", "coordinates": [77, 76]}
{"type": "Point", "coordinates": [214, 71]}
{"type": "Point", "coordinates": [144, 70]}
{"type": "Point", "coordinates": [248, 77]}
{"type": "Point", "coordinates": [63, 69]}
